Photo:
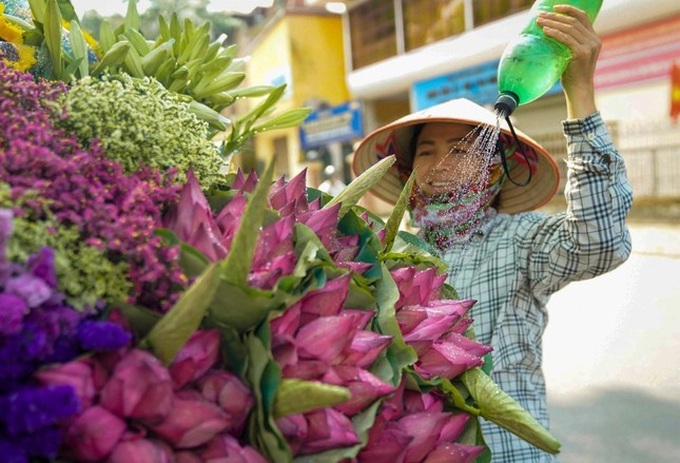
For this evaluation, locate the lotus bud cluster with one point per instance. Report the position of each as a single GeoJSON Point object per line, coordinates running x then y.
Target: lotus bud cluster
{"type": "Point", "coordinates": [413, 427]}
{"type": "Point", "coordinates": [135, 409]}
{"type": "Point", "coordinates": [318, 339]}
{"type": "Point", "coordinates": [434, 327]}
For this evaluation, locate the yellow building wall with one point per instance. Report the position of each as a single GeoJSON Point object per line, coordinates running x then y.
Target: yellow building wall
{"type": "Point", "coordinates": [306, 52]}
{"type": "Point", "coordinates": [318, 58]}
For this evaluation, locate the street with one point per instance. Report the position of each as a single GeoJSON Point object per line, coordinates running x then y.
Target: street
{"type": "Point", "coordinates": [610, 358]}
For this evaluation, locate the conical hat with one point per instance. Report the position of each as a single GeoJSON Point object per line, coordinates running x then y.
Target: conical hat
{"type": "Point", "coordinates": [395, 138]}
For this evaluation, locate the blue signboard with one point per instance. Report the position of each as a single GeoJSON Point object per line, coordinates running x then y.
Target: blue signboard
{"type": "Point", "coordinates": [476, 83]}
{"type": "Point", "coordinates": [342, 123]}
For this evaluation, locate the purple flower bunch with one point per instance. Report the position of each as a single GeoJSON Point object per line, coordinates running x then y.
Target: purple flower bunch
{"type": "Point", "coordinates": [38, 328]}
{"type": "Point", "coordinates": [113, 211]}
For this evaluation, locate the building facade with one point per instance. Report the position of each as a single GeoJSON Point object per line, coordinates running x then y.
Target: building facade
{"type": "Point", "coordinates": [382, 59]}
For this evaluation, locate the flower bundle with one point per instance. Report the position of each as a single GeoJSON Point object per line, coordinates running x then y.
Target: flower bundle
{"type": "Point", "coordinates": [175, 318]}
{"type": "Point", "coordinates": [38, 328]}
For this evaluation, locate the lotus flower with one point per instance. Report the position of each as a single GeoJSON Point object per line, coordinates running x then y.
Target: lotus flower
{"type": "Point", "coordinates": [364, 387]}
{"type": "Point", "coordinates": [142, 451]}
{"type": "Point", "coordinates": [86, 376]}
{"type": "Point", "coordinates": [94, 434]}
{"type": "Point", "coordinates": [225, 448]}
{"type": "Point", "coordinates": [140, 387]}
{"type": "Point", "coordinates": [192, 421]}
{"type": "Point", "coordinates": [196, 357]}
{"type": "Point", "coordinates": [434, 327]}
{"type": "Point", "coordinates": [454, 453]}
{"type": "Point", "coordinates": [229, 392]}
{"type": "Point", "coordinates": [192, 220]}
{"type": "Point", "coordinates": [317, 431]}
{"type": "Point", "coordinates": [413, 427]}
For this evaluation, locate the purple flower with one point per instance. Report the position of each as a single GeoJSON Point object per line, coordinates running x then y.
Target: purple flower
{"type": "Point", "coordinates": [12, 311]}
{"type": "Point", "coordinates": [42, 443]}
{"type": "Point", "coordinates": [29, 410]}
{"type": "Point", "coordinates": [41, 265]}
{"type": "Point", "coordinates": [114, 212]}
{"type": "Point", "coordinates": [11, 452]}
{"type": "Point", "coordinates": [98, 336]}
{"type": "Point", "coordinates": [32, 289]}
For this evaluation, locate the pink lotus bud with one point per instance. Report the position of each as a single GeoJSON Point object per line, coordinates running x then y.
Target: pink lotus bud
{"type": "Point", "coordinates": [93, 434]}
{"type": "Point", "coordinates": [326, 301]}
{"type": "Point", "coordinates": [409, 317]}
{"type": "Point", "coordinates": [325, 338]}
{"type": "Point", "coordinates": [345, 250]}
{"type": "Point", "coordinates": [294, 429]}
{"type": "Point", "coordinates": [453, 428]}
{"type": "Point", "coordinates": [142, 451]}
{"type": "Point", "coordinates": [446, 360]}
{"type": "Point", "coordinates": [140, 387]}
{"type": "Point", "coordinates": [454, 453]}
{"type": "Point", "coordinates": [288, 322]}
{"type": "Point", "coordinates": [276, 239]}
{"type": "Point", "coordinates": [388, 447]}
{"type": "Point", "coordinates": [416, 401]}
{"type": "Point", "coordinates": [229, 219]}
{"type": "Point", "coordinates": [467, 344]}
{"type": "Point", "coordinates": [462, 325]}
{"type": "Point", "coordinates": [364, 387]}
{"type": "Point", "coordinates": [196, 357]}
{"type": "Point", "coordinates": [244, 182]}
{"type": "Point", "coordinates": [431, 329]}
{"type": "Point", "coordinates": [192, 421]}
{"type": "Point", "coordinates": [429, 283]}
{"type": "Point", "coordinates": [365, 348]}
{"type": "Point", "coordinates": [85, 376]}
{"type": "Point", "coordinates": [425, 428]}
{"type": "Point", "coordinates": [324, 223]}
{"type": "Point", "coordinates": [328, 429]}
{"type": "Point", "coordinates": [225, 448]}
{"type": "Point", "coordinates": [284, 350]}
{"type": "Point", "coordinates": [289, 197]}
{"type": "Point", "coordinates": [306, 369]}
{"type": "Point", "coordinates": [192, 220]}
{"type": "Point", "coordinates": [229, 392]}
{"type": "Point", "coordinates": [360, 318]}
{"type": "Point", "coordinates": [449, 307]}
{"type": "Point", "coordinates": [186, 456]}
{"type": "Point", "coordinates": [265, 277]}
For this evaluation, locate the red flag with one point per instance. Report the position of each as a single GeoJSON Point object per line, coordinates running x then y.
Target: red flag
{"type": "Point", "coordinates": [675, 91]}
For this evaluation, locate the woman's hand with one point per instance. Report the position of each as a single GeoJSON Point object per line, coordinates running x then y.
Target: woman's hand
{"type": "Point", "coordinates": [572, 27]}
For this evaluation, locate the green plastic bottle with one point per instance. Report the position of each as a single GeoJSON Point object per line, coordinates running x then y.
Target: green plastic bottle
{"type": "Point", "coordinates": [532, 63]}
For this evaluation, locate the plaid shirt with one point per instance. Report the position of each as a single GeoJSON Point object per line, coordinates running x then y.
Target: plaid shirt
{"type": "Point", "coordinates": [515, 262]}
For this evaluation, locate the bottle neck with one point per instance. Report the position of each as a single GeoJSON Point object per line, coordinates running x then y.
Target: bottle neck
{"type": "Point", "coordinates": [506, 103]}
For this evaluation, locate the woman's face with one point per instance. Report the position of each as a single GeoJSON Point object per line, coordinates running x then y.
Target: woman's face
{"type": "Point", "coordinates": [446, 159]}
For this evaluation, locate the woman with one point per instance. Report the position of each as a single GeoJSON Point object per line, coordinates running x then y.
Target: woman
{"type": "Point", "coordinates": [479, 217]}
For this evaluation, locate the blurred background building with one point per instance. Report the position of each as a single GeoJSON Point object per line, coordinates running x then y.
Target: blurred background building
{"type": "Point", "coordinates": [360, 64]}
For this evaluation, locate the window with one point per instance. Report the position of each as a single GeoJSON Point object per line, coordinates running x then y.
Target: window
{"type": "Point", "coordinates": [429, 21]}
{"type": "Point", "coordinates": [373, 35]}
{"type": "Point", "coordinates": [485, 11]}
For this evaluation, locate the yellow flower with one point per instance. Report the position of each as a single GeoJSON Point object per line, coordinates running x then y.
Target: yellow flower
{"type": "Point", "coordinates": [22, 58]}
{"type": "Point", "coordinates": [8, 31]}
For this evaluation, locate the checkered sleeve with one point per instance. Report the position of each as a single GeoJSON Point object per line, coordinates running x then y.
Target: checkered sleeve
{"type": "Point", "coordinates": [591, 238]}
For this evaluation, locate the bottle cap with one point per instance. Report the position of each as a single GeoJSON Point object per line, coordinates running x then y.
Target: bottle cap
{"type": "Point", "coordinates": [506, 103]}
